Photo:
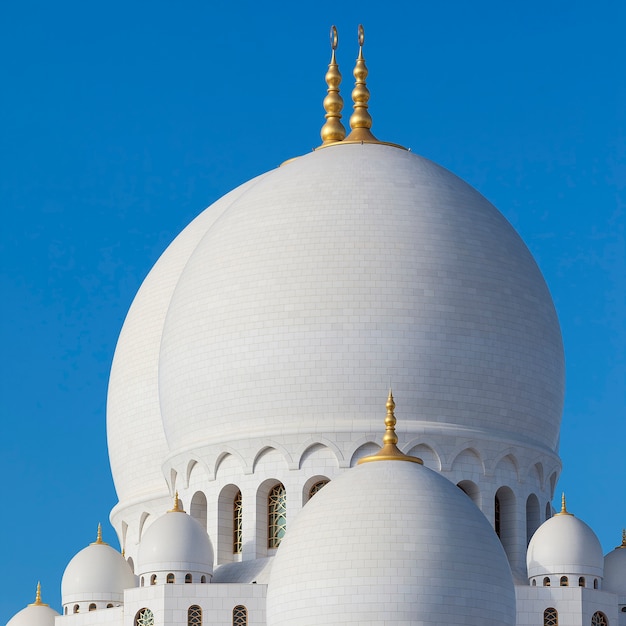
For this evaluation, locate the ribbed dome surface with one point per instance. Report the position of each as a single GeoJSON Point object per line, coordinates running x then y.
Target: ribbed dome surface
{"type": "Point", "coordinates": [390, 542]}
{"type": "Point", "coordinates": [97, 573]}
{"type": "Point", "coordinates": [297, 298]}
{"type": "Point", "coordinates": [564, 545]}
{"type": "Point", "coordinates": [175, 542]}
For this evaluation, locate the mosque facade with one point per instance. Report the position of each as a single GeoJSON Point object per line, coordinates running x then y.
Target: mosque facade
{"type": "Point", "coordinates": [246, 408]}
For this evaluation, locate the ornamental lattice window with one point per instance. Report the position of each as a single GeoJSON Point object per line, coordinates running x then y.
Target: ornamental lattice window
{"type": "Point", "coordinates": [276, 515]}
{"type": "Point", "coordinates": [550, 617]}
{"type": "Point", "coordinates": [317, 487]}
{"type": "Point", "coordinates": [240, 616]}
{"type": "Point", "coordinates": [237, 524]}
{"type": "Point", "coordinates": [194, 615]}
{"type": "Point", "coordinates": [144, 617]}
{"type": "Point", "coordinates": [599, 619]}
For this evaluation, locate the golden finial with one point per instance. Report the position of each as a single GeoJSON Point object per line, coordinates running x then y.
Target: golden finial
{"type": "Point", "coordinates": [38, 601]}
{"type": "Point", "coordinates": [177, 507]}
{"type": "Point", "coordinates": [623, 539]}
{"type": "Point", "coordinates": [333, 130]}
{"type": "Point", "coordinates": [361, 120]}
{"type": "Point", "coordinates": [98, 541]}
{"type": "Point", "coordinates": [390, 451]}
{"type": "Point", "coordinates": [563, 510]}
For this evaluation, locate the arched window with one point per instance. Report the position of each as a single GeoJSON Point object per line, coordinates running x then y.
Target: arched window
{"type": "Point", "coordinates": [153, 579]}
{"type": "Point", "coordinates": [240, 616]}
{"type": "Point", "coordinates": [109, 606]}
{"type": "Point", "coordinates": [141, 582]}
{"type": "Point", "coordinates": [203, 578]}
{"type": "Point", "coordinates": [581, 581]}
{"type": "Point", "coordinates": [76, 608]}
{"type": "Point", "coordinates": [144, 617]}
{"type": "Point", "coordinates": [595, 583]}
{"type": "Point", "coordinates": [534, 583]}
{"type": "Point", "coordinates": [170, 579]}
{"type": "Point", "coordinates": [599, 619]}
{"type": "Point", "coordinates": [194, 615]}
{"type": "Point", "coordinates": [550, 617]}
{"type": "Point", "coordinates": [496, 515]}
{"type": "Point", "coordinates": [564, 582]}
{"type": "Point", "coordinates": [92, 607]}
{"type": "Point", "coordinates": [237, 523]}
{"type": "Point", "coordinates": [315, 487]}
{"type": "Point", "coordinates": [187, 578]}
{"type": "Point", "coordinates": [65, 611]}
{"type": "Point", "coordinates": [276, 515]}
{"type": "Point", "coordinates": [546, 581]}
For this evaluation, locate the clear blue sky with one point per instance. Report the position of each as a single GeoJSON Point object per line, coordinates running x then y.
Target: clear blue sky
{"type": "Point", "coordinates": [122, 120]}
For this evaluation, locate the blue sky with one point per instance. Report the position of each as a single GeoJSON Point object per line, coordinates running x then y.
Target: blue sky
{"type": "Point", "coordinates": [122, 121]}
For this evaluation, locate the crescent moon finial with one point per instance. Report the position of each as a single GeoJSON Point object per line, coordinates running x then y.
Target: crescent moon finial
{"type": "Point", "coordinates": [361, 35]}
{"type": "Point", "coordinates": [334, 37]}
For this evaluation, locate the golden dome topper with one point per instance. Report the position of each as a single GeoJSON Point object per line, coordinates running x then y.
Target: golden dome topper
{"type": "Point", "coordinates": [38, 601]}
{"type": "Point", "coordinates": [361, 120]}
{"type": "Point", "coordinates": [390, 451]}
{"type": "Point", "coordinates": [98, 541]}
{"type": "Point", "coordinates": [563, 510]}
{"type": "Point", "coordinates": [333, 130]}
{"type": "Point", "coordinates": [177, 506]}
{"type": "Point", "coordinates": [623, 544]}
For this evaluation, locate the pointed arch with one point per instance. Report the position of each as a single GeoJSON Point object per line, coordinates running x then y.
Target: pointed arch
{"type": "Point", "coordinates": [427, 453]}
{"type": "Point", "coordinates": [472, 490]}
{"type": "Point", "coordinates": [198, 508]}
{"type": "Point", "coordinates": [226, 529]}
{"type": "Point", "coordinates": [312, 446]}
{"type": "Point", "coordinates": [367, 448]}
{"type": "Point", "coordinates": [533, 514]}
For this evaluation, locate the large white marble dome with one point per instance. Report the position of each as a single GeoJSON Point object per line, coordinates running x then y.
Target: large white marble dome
{"type": "Point", "coordinates": [391, 542]}
{"type": "Point", "coordinates": [324, 279]}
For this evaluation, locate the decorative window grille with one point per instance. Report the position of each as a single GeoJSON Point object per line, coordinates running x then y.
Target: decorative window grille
{"type": "Point", "coordinates": [237, 524]}
{"type": "Point", "coordinates": [277, 515]}
{"type": "Point", "coordinates": [171, 579]}
{"type": "Point", "coordinates": [317, 487]}
{"type": "Point", "coordinates": [194, 615]}
{"type": "Point", "coordinates": [144, 617]}
{"type": "Point", "coordinates": [599, 619]}
{"type": "Point", "coordinates": [564, 582]}
{"type": "Point", "coordinates": [240, 616]}
{"type": "Point", "coordinates": [550, 617]}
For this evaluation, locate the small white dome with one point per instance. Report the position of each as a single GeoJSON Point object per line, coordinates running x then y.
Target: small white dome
{"type": "Point", "coordinates": [176, 543]}
{"type": "Point", "coordinates": [615, 569]}
{"type": "Point", "coordinates": [564, 545]}
{"type": "Point", "coordinates": [98, 573]}
{"type": "Point", "coordinates": [36, 614]}
{"type": "Point", "coordinates": [391, 542]}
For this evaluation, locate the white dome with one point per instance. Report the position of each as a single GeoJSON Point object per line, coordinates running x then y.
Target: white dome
{"type": "Point", "coordinates": [34, 615]}
{"type": "Point", "coordinates": [564, 545]}
{"type": "Point", "coordinates": [175, 543]}
{"type": "Point", "coordinates": [615, 570]}
{"type": "Point", "coordinates": [324, 279]}
{"type": "Point", "coordinates": [98, 573]}
{"type": "Point", "coordinates": [390, 542]}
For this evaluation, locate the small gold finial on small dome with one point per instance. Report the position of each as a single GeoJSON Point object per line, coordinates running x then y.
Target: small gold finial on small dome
{"type": "Point", "coordinates": [361, 120]}
{"type": "Point", "coordinates": [333, 130]}
{"type": "Point", "coordinates": [563, 510]}
{"type": "Point", "coordinates": [623, 544]}
{"type": "Point", "coordinates": [98, 541]}
{"type": "Point", "coordinates": [38, 601]}
{"type": "Point", "coordinates": [177, 506]}
{"type": "Point", "coordinates": [390, 451]}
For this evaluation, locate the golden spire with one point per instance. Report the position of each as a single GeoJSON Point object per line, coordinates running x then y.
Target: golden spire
{"type": "Point", "coordinates": [623, 545]}
{"type": "Point", "coordinates": [390, 451]}
{"type": "Point", "coordinates": [563, 510]}
{"type": "Point", "coordinates": [38, 601]}
{"type": "Point", "coordinates": [177, 507]}
{"type": "Point", "coordinates": [98, 541]}
{"type": "Point", "coordinates": [361, 120]}
{"type": "Point", "coordinates": [333, 130]}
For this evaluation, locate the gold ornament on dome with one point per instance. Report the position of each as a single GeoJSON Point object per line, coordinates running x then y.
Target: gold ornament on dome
{"type": "Point", "coordinates": [563, 510]}
{"type": "Point", "coordinates": [38, 601]}
{"type": "Point", "coordinates": [390, 450]}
